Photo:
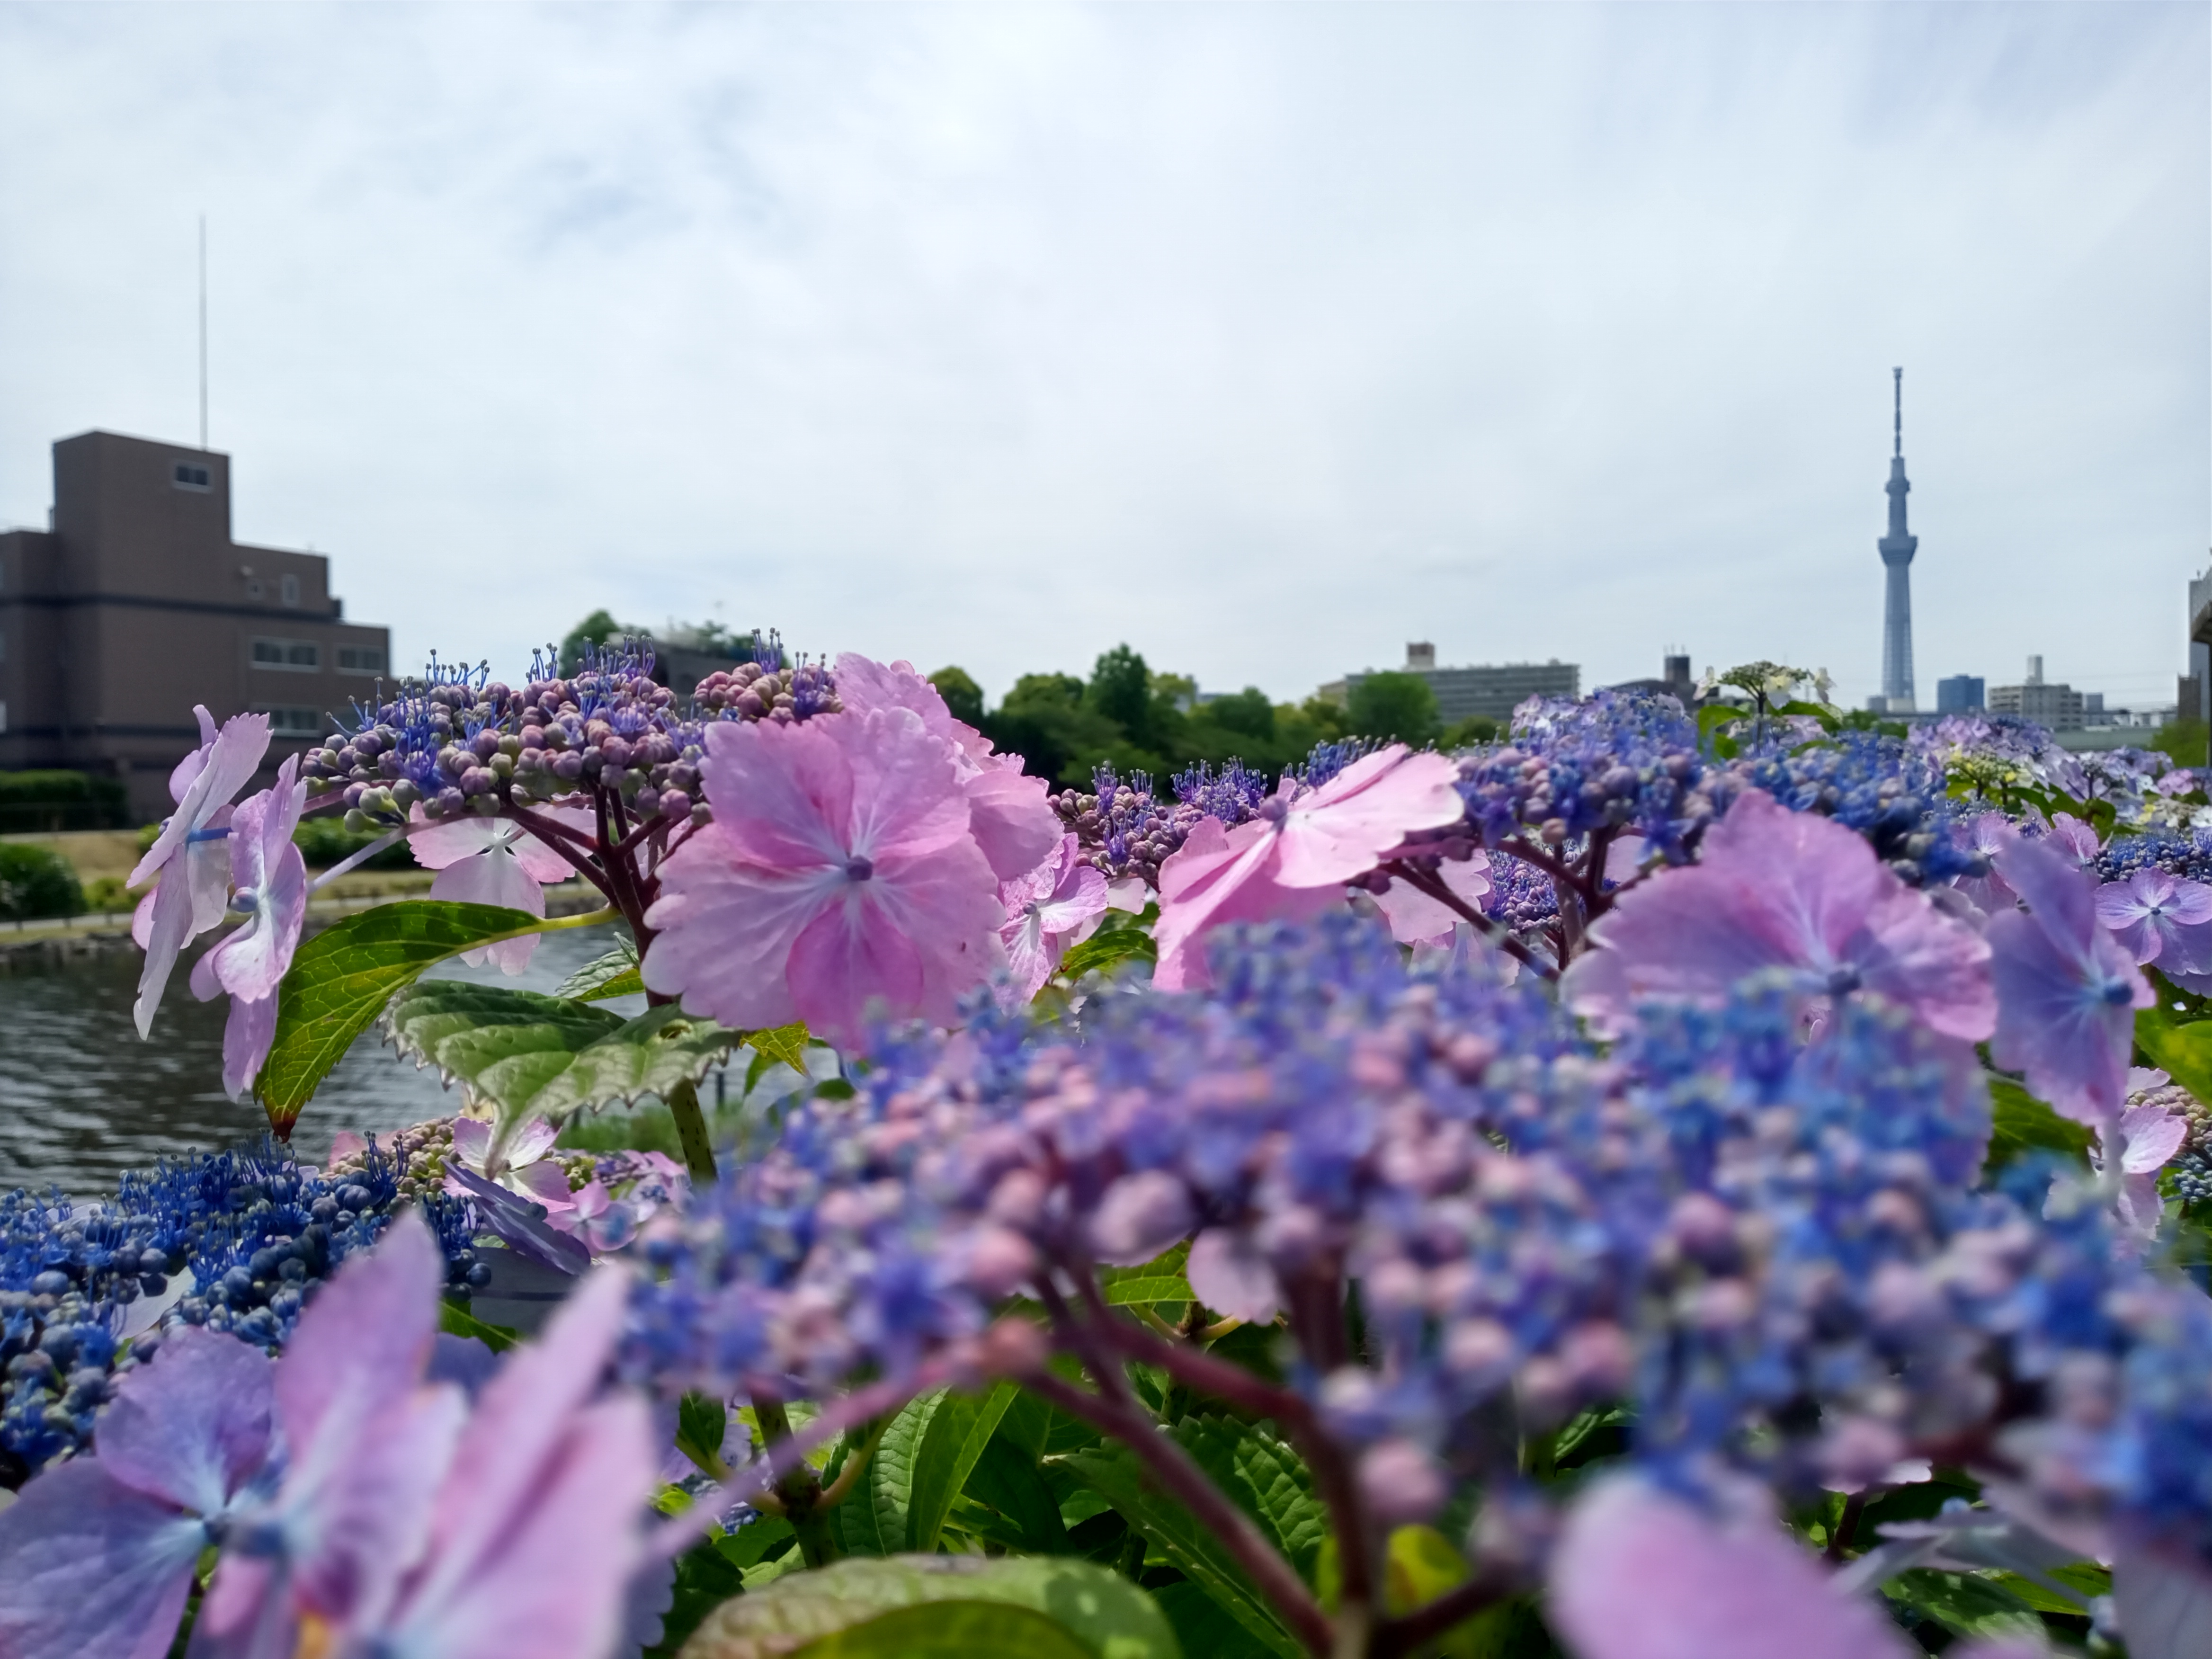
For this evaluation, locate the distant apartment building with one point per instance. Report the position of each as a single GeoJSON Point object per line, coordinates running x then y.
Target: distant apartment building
{"type": "Point", "coordinates": [134, 604]}
{"type": "Point", "coordinates": [1493, 690]}
{"type": "Point", "coordinates": [1961, 694]}
{"type": "Point", "coordinates": [2059, 707]}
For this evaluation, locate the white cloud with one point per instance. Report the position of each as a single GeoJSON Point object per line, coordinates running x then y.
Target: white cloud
{"type": "Point", "coordinates": [1264, 339]}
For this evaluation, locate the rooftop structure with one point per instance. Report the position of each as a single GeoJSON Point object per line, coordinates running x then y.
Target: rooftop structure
{"type": "Point", "coordinates": [134, 604]}
{"type": "Point", "coordinates": [2059, 707]}
{"type": "Point", "coordinates": [1961, 694]}
{"type": "Point", "coordinates": [1897, 550]}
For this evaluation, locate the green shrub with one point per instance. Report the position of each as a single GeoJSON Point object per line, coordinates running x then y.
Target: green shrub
{"type": "Point", "coordinates": [325, 842]}
{"type": "Point", "coordinates": [107, 895]}
{"type": "Point", "coordinates": [36, 883]}
{"type": "Point", "coordinates": [48, 802]}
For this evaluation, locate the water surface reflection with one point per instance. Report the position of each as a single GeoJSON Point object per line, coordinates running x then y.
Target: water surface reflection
{"type": "Point", "coordinates": [81, 1099]}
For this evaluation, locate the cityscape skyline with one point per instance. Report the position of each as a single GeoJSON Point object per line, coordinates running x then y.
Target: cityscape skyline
{"type": "Point", "coordinates": [997, 337]}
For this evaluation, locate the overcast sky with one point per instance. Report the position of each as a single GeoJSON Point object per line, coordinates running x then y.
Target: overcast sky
{"type": "Point", "coordinates": [1264, 337]}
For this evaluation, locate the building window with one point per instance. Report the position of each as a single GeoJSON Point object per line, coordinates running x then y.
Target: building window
{"type": "Point", "coordinates": [301, 656]}
{"type": "Point", "coordinates": [190, 476]}
{"type": "Point", "coordinates": [291, 722]}
{"type": "Point", "coordinates": [291, 590]}
{"type": "Point", "coordinates": [360, 659]}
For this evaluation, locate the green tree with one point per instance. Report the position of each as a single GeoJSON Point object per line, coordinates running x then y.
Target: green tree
{"type": "Point", "coordinates": [1394, 706]}
{"type": "Point", "coordinates": [595, 629]}
{"type": "Point", "coordinates": [1465, 734]}
{"type": "Point", "coordinates": [1121, 689]}
{"type": "Point", "coordinates": [36, 882]}
{"type": "Point", "coordinates": [961, 694]}
{"type": "Point", "coordinates": [1047, 718]}
{"type": "Point", "coordinates": [1248, 712]}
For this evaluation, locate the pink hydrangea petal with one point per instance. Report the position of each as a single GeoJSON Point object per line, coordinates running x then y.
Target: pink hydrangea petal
{"type": "Point", "coordinates": [232, 760]}
{"type": "Point", "coordinates": [1011, 819]}
{"type": "Point", "coordinates": [2164, 1597]}
{"type": "Point", "coordinates": [552, 1577]}
{"type": "Point", "coordinates": [1641, 1575]}
{"type": "Point", "coordinates": [1417, 918]}
{"type": "Point", "coordinates": [783, 795]}
{"type": "Point", "coordinates": [180, 779]}
{"type": "Point", "coordinates": [864, 685]}
{"type": "Point", "coordinates": [1230, 1275]}
{"type": "Point", "coordinates": [1341, 830]}
{"type": "Point", "coordinates": [95, 1569]}
{"type": "Point", "coordinates": [846, 959]}
{"type": "Point", "coordinates": [493, 877]}
{"type": "Point", "coordinates": [724, 932]}
{"type": "Point", "coordinates": [2152, 1135]}
{"type": "Point", "coordinates": [2066, 989]}
{"type": "Point", "coordinates": [193, 1427]}
{"type": "Point", "coordinates": [471, 1139]}
{"type": "Point", "coordinates": [247, 1035]}
{"type": "Point", "coordinates": [168, 929]}
{"type": "Point", "coordinates": [538, 860]}
{"type": "Point", "coordinates": [361, 1345]}
{"type": "Point", "coordinates": [532, 1140]}
{"type": "Point", "coordinates": [546, 1184]}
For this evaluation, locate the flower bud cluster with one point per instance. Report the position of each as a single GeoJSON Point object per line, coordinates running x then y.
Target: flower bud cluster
{"type": "Point", "coordinates": [1775, 1250]}
{"type": "Point", "coordinates": [256, 1232]}
{"type": "Point", "coordinates": [1614, 760]}
{"type": "Point", "coordinates": [2185, 854]}
{"type": "Point", "coordinates": [458, 742]}
{"type": "Point", "coordinates": [1125, 830]}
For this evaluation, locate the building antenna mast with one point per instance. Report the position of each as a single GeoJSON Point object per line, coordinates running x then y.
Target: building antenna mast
{"type": "Point", "coordinates": [1898, 373]}
{"type": "Point", "coordinates": [203, 330]}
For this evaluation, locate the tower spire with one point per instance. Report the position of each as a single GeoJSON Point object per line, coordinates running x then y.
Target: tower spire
{"type": "Point", "coordinates": [1897, 550]}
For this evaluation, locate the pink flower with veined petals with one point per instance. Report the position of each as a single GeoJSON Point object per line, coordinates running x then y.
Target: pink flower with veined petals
{"type": "Point", "coordinates": [838, 872]}
{"type": "Point", "coordinates": [495, 861]}
{"type": "Point", "coordinates": [1007, 810]}
{"type": "Point", "coordinates": [190, 865]}
{"type": "Point", "coordinates": [1054, 906]}
{"type": "Point", "coordinates": [1417, 918]}
{"type": "Point", "coordinates": [2078, 839]}
{"type": "Point", "coordinates": [1777, 889]}
{"type": "Point", "coordinates": [271, 880]}
{"type": "Point", "coordinates": [2160, 918]}
{"type": "Point", "coordinates": [1640, 1574]}
{"type": "Point", "coordinates": [1290, 863]}
{"type": "Point", "coordinates": [2067, 990]}
{"type": "Point", "coordinates": [1988, 834]}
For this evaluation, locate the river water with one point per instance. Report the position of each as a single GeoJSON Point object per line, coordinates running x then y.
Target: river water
{"type": "Point", "coordinates": [81, 1099]}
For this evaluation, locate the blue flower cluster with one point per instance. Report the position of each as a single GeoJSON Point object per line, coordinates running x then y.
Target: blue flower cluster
{"type": "Point", "coordinates": [1881, 786]}
{"type": "Point", "coordinates": [1615, 760]}
{"type": "Point", "coordinates": [1777, 1251]}
{"type": "Point", "coordinates": [2185, 854]}
{"type": "Point", "coordinates": [458, 741]}
{"type": "Point", "coordinates": [255, 1231]}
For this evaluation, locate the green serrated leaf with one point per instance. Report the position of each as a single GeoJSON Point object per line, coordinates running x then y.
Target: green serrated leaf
{"type": "Point", "coordinates": [2018, 1121]}
{"type": "Point", "coordinates": [1160, 1280]}
{"type": "Point", "coordinates": [2177, 1040]}
{"type": "Point", "coordinates": [954, 1605]}
{"type": "Point", "coordinates": [595, 980]}
{"type": "Point", "coordinates": [526, 1055]}
{"type": "Point", "coordinates": [701, 1423]}
{"type": "Point", "coordinates": [963, 1426]}
{"type": "Point", "coordinates": [1114, 1474]}
{"type": "Point", "coordinates": [343, 977]}
{"type": "Point", "coordinates": [1714, 715]}
{"type": "Point", "coordinates": [1102, 951]}
{"type": "Point", "coordinates": [787, 1044]}
{"type": "Point", "coordinates": [456, 1320]}
{"type": "Point", "coordinates": [873, 1519]}
{"type": "Point", "coordinates": [1963, 1603]}
{"type": "Point", "coordinates": [1267, 1479]}
{"type": "Point", "coordinates": [750, 1545]}
{"type": "Point", "coordinates": [704, 1579]}
{"type": "Point", "coordinates": [1006, 1477]}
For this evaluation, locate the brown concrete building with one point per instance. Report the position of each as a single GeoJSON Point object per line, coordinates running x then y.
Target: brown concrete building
{"type": "Point", "coordinates": [134, 604]}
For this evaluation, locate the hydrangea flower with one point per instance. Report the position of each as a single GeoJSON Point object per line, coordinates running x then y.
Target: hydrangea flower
{"type": "Point", "coordinates": [2067, 989]}
{"type": "Point", "coordinates": [2160, 918]}
{"type": "Point", "coordinates": [186, 861]}
{"type": "Point", "coordinates": [839, 871]}
{"type": "Point", "coordinates": [1008, 813]}
{"type": "Point", "coordinates": [1293, 859]}
{"type": "Point", "coordinates": [494, 861]}
{"type": "Point", "coordinates": [1781, 890]}
{"type": "Point", "coordinates": [1053, 907]}
{"type": "Point", "coordinates": [271, 879]}
{"type": "Point", "coordinates": [1417, 918]}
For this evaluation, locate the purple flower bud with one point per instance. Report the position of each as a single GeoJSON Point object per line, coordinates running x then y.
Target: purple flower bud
{"type": "Point", "coordinates": [477, 780]}
{"type": "Point", "coordinates": [352, 796]}
{"type": "Point", "coordinates": [449, 804]}
{"type": "Point", "coordinates": [749, 705]}
{"type": "Point", "coordinates": [616, 751]}
{"type": "Point", "coordinates": [569, 767]}
{"type": "Point", "coordinates": [675, 804]}
{"type": "Point", "coordinates": [485, 743]}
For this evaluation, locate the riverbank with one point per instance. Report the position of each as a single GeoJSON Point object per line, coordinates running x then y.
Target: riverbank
{"type": "Point", "coordinates": [37, 946]}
